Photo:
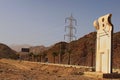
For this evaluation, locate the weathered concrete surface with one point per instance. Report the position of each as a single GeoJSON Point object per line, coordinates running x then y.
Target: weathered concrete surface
{"type": "Point", "coordinates": [103, 46]}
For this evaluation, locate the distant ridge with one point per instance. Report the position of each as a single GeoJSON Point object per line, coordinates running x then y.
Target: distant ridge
{"type": "Point", "coordinates": [18, 47]}
{"type": "Point", "coordinates": [38, 49]}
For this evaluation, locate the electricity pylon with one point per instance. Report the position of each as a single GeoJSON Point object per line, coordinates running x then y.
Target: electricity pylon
{"type": "Point", "coordinates": [71, 32]}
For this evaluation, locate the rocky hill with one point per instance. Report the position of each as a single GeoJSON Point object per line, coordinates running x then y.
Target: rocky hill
{"type": "Point", "coordinates": [6, 52]}
{"type": "Point", "coordinates": [82, 51]}
{"type": "Point", "coordinates": [78, 52]}
{"type": "Point", "coordinates": [38, 49]}
{"type": "Point", "coordinates": [116, 50]}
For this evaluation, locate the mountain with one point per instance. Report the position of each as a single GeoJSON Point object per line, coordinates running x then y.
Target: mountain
{"type": "Point", "coordinates": [82, 51]}
{"type": "Point", "coordinates": [18, 47]}
{"type": "Point", "coordinates": [33, 49]}
{"type": "Point", "coordinates": [116, 50]}
{"type": "Point", "coordinates": [6, 52]}
{"type": "Point", "coordinates": [38, 49]}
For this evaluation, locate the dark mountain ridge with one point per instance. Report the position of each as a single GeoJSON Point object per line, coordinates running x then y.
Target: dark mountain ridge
{"type": "Point", "coordinates": [82, 51]}
{"type": "Point", "coordinates": [6, 52]}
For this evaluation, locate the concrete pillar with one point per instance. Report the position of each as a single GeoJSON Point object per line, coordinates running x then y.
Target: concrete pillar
{"type": "Point", "coordinates": [104, 41]}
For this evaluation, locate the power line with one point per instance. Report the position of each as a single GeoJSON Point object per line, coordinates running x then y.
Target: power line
{"type": "Point", "coordinates": [71, 29]}
{"type": "Point", "coordinates": [71, 33]}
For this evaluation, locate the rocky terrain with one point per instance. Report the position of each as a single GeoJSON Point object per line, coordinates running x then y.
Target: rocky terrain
{"type": "Point", "coordinates": [82, 51]}
{"type": "Point", "coordinates": [38, 49]}
{"type": "Point", "coordinates": [6, 52]}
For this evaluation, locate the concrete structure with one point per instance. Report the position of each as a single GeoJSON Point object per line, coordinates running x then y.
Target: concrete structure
{"type": "Point", "coordinates": [103, 46]}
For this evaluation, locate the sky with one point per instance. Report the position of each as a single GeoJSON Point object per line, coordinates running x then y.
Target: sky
{"type": "Point", "coordinates": [42, 22]}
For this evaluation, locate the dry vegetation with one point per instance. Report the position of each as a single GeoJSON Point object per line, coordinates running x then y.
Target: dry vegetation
{"type": "Point", "coordinates": [24, 70]}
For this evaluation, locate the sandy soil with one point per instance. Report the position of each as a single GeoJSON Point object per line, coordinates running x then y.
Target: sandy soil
{"type": "Point", "coordinates": [24, 70]}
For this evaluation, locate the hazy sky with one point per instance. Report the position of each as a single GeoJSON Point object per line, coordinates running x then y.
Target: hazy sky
{"type": "Point", "coordinates": [41, 22]}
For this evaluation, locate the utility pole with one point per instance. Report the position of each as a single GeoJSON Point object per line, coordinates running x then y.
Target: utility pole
{"type": "Point", "coordinates": [71, 30]}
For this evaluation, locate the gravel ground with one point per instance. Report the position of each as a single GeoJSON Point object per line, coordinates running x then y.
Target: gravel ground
{"type": "Point", "coordinates": [15, 70]}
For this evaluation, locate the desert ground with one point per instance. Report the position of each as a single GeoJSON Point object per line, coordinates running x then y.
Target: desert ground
{"type": "Point", "coordinates": [25, 70]}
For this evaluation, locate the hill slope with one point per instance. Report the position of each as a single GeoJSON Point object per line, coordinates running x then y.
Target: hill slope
{"type": "Point", "coordinates": [83, 51]}
{"type": "Point", "coordinates": [6, 52]}
{"type": "Point", "coordinates": [38, 49]}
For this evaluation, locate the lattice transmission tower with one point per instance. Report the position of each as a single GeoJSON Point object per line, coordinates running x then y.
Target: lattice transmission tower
{"type": "Point", "coordinates": [71, 30]}
{"type": "Point", "coordinates": [72, 22]}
